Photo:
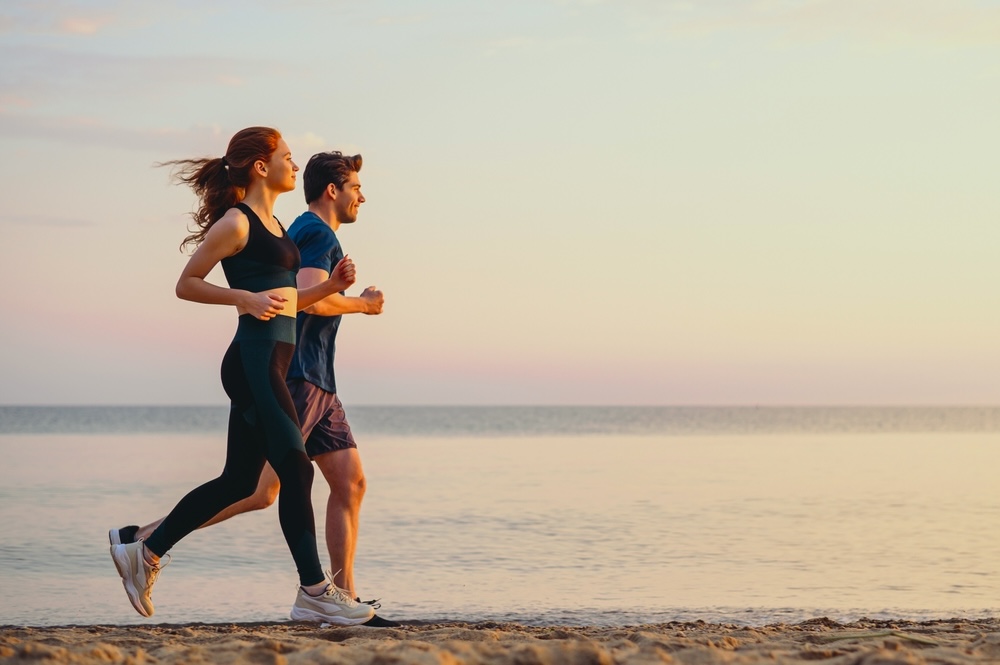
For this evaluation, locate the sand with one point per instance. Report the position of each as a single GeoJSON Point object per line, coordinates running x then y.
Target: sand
{"type": "Point", "coordinates": [816, 641]}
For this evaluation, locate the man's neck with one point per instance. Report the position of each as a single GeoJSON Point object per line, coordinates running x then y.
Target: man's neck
{"type": "Point", "coordinates": [325, 213]}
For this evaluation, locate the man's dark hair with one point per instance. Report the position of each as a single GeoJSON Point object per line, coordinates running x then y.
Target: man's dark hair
{"type": "Point", "coordinates": [326, 167]}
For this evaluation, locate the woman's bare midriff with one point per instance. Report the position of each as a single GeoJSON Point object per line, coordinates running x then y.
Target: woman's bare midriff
{"type": "Point", "coordinates": [289, 293]}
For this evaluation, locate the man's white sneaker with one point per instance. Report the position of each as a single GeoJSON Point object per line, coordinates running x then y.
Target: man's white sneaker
{"type": "Point", "coordinates": [334, 606]}
{"type": "Point", "coordinates": [137, 575]}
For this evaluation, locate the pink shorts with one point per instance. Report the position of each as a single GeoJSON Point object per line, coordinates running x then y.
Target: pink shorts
{"type": "Point", "coordinates": [321, 417]}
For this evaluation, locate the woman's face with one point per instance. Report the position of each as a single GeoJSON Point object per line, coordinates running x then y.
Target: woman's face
{"type": "Point", "coordinates": [280, 174]}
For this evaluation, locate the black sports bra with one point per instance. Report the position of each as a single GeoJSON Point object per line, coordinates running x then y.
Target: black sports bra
{"type": "Point", "coordinates": [265, 262]}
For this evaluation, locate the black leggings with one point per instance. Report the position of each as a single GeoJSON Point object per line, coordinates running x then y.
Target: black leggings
{"type": "Point", "coordinates": [262, 426]}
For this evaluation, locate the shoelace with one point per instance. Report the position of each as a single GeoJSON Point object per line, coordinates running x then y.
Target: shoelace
{"type": "Point", "coordinates": [374, 602]}
{"type": "Point", "coordinates": [152, 572]}
{"type": "Point", "coordinates": [337, 592]}
{"type": "Point", "coordinates": [340, 595]}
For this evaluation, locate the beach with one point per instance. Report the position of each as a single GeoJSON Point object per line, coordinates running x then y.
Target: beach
{"type": "Point", "coordinates": [715, 536]}
{"type": "Point", "coordinates": [820, 640]}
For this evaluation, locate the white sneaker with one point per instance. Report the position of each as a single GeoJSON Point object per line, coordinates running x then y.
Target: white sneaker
{"type": "Point", "coordinates": [334, 606]}
{"type": "Point", "coordinates": [123, 536]}
{"type": "Point", "coordinates": [137, 575]}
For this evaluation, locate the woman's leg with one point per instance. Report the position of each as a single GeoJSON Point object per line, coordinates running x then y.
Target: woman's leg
{"type": "Point", "coordinates": [244, 462]}
{"type": "Point", "coordinates": [286, 454]}
{"type": "Point", "coordinates": [138, 562]}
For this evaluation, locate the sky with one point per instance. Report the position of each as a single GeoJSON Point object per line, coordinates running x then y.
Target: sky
{"type": "Point", "coordinates": [728, 202]}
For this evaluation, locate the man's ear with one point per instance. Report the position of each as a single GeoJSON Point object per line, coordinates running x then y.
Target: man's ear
{"type": "Point", "coordinates": [331, 189]}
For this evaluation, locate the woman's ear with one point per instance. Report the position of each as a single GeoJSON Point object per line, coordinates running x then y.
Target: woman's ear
{"type": "Point", "coordinates": [260, 168]}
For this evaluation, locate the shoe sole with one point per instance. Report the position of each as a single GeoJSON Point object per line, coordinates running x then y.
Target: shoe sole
{"type": "Point", "coordinates": [124, 567]}
{"type": "Point", "coordinates": [378, 622]}
{"type": "Point", "coordinates": [299, 614]}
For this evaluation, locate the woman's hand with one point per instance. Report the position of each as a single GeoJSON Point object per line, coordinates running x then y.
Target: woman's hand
{"type": "Point", "coordinates": [343, 274]}
{"type": "Point", "coordinates": [264, 305]}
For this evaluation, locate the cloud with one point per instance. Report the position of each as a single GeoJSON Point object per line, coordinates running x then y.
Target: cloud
{"type": "Point", "coordinates": [307, 142]}
{"type": "Point", "coordinates": [197, 140]}
{"type": "Point", "coordinates": [495, 46]}
{"type": "Point", "coordinates": [59, 17]}
{"type": "Point", "coordinates": [305, 145]}
{"type": "Point", "coordinates": [402, 19]}
{"type": "Point", "coordinates": [90, 131]}
{"type": "Point", "coordinates": [83, 25]}
{"type": "Point", "coordinates": [83, 18]}
{"type": "Point", "coordinates": [8, 102]}
{"type": "Point", "coordinates": [885, 22]}
{"type": "Point", "coordinates": [49, 74]}
{"type": "Point", "coordinates": [878, 22]}
{"type": "Point", "coordinates": [44, 220]}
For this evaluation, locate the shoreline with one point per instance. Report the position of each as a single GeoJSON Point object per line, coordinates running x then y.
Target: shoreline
{"type": "Point", "coordinates": [450, 643]}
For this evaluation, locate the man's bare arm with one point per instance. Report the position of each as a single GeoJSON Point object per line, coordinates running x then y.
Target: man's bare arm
{"type": "Point", "coordinates": [369, 302]}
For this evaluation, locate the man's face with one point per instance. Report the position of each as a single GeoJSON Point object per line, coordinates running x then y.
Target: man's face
{"type": "Point", "coordinates": [348, 200]}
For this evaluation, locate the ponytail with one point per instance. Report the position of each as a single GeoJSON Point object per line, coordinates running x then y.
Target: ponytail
{"type": "Point", "coordinates": [221, 182]}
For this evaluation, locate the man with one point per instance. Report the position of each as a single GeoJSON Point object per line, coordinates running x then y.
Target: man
{"type": "Point", "coordinates": [333, 195]}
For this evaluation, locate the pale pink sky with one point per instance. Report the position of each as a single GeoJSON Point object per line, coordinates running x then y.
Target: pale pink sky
{"type": "Point", "coordinates": [568, 202]}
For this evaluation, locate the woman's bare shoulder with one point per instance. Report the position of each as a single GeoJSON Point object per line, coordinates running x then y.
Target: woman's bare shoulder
{"type": "Point", "coordinates": [229, 234]}
{"type": "Point", "coordinates": [233, 224]}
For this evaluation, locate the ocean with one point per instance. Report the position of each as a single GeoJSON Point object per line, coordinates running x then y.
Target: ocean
{"type": "Point", "coordinates": [540, 515]}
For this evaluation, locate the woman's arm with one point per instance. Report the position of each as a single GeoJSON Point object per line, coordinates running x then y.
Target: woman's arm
{"type": "Point", "coordinates": [226, 237]}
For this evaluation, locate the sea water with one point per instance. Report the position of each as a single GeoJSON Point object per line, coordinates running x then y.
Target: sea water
{"type": "Point", "coordinates": [545, 515]}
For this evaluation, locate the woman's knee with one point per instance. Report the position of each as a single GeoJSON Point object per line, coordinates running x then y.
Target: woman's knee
{"type": "Point", "coordinates": [257, 493]}
{"type": "Point", "coordinates": [240, 489]}
{"type": "Point", "coordinates": [294, 470]}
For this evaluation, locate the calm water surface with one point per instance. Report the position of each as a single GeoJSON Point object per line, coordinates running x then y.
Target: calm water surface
{"type": "Point", "coordinates": [612, 517]}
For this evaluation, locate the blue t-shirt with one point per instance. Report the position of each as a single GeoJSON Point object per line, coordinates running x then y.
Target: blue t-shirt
{"type": "Point", "coordinates": [315, 336]}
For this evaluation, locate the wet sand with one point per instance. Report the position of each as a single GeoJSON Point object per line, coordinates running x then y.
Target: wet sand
{"type": "Point", "coordinates": [816, 641]}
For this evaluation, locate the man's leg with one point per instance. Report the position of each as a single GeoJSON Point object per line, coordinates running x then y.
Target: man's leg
{"type": "Point", "coordinates": [263, 496]}
{"type": "Point", "coordinates": [343, 473]}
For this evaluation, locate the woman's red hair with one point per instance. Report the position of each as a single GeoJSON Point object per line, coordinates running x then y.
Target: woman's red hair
{"type": "Point", "coordinates": [221, 182]}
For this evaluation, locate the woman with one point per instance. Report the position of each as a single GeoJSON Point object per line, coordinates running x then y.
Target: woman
{"type": "Point", "coordinates": [236, 227]}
